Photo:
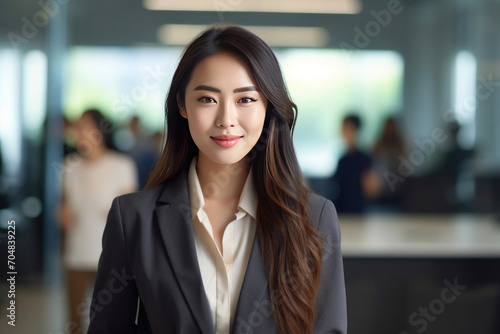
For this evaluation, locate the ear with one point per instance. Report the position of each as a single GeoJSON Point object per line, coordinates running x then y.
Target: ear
{"type": "Point", "coordinates": [181, 106]}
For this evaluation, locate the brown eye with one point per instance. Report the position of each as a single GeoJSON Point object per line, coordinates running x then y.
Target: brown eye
{"type": "Point", "coordinates": [206, 99]}
{"type": "Point", "coordinates": [246, 100]}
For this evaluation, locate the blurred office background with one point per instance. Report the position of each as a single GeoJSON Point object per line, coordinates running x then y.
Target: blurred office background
{"type": "Point", "coordinates": [433, 66]}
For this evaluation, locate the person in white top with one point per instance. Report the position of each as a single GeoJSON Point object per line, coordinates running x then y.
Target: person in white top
{"type": "Point", "coordinates": [91, 178]}
{"type": "Point", "coordinates": [225, 238]}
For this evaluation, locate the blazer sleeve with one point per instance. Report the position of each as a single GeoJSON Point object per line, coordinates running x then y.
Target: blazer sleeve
{"type": "Point", "coordinates": [115, 297]}
{"type": "Point", "coordinates": [331, 306]}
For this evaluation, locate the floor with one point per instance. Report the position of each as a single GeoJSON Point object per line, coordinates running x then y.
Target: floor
{"type": "Point", "coordinates": [39, 310]}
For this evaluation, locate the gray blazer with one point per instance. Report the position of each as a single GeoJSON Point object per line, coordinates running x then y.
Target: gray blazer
{"type": "Point", "coordinates": [149, 280]}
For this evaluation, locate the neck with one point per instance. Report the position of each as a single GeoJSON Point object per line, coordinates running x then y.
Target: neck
{"type": "Point", "coordinates": [95, 153]}
{"type": "Point", "coordinates": [218, 181]}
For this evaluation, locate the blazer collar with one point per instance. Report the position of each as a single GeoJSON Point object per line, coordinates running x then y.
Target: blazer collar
{"type": "Point", "coordinates": [174, 219]}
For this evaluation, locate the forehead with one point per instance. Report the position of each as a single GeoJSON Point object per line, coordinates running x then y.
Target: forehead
{"type": "Point", "coordinates": [222, 68]}
{"type": "Point", "coordinates": [85, 120]}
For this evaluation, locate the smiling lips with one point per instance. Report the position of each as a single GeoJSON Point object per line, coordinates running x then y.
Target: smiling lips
{"type": "Point", "coordinates": [226, 141]}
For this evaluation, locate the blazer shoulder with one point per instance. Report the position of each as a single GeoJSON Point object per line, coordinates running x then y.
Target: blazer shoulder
{"type": "Point", "coordinates": [316, 205]}
{"type": "Point", "coordinates": [316, 200]}
{"type": "Point", "coordinates": [143, 199]}
{"type": "Point", "coordinates": [322, 209]}
{"type": "Point", "coordinates": [145, 202]}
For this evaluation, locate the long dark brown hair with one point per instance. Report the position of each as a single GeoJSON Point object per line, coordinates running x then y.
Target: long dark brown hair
{"type": "Point", "coordinates": [290, 245]}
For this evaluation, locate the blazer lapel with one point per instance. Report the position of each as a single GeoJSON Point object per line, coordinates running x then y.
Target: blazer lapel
{"type": "Point", "coordinates": [254, 297]}
{"type": "Point", "coordinates": [174, 218]}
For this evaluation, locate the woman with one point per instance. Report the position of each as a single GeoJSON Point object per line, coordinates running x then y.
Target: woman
{"type": "Point", "coordinates": [386, 153]}
{"type": "Point", "coordinates": [226, 238]}
{"type": "Point", "coordinates": [92, 177]}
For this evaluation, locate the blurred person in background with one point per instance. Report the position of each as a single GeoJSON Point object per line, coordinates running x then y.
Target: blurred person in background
{"type": "Point", "coordinates": [143, 151]}
{"type": "Point", "coordinates": [386, 153]}
{"type": "Point", "coordinates": [354, 179]}
{"type": "Point", "coordinates": [158, 140]}
{"type": "Point", "coordinates": [69, 137]}
{"type": "Point", "coordinates": [91, 178]}
{"type": "Point", "coordinates": [457, 168]}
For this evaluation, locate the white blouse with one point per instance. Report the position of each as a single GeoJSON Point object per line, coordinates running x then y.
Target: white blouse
{"type": "Point", "coordinates": [90, 187]}
{"type": "Point", "coordinates": [223, 274]}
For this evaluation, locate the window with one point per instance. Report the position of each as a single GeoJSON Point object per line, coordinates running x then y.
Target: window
{"type": "Point", "coordinates": [325, 85]}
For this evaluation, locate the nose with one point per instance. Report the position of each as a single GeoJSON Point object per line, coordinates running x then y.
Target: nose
{"type": "Point", "coordinates": [226, 116]}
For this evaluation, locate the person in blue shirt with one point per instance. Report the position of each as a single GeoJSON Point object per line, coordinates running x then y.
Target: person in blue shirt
{"type": "Point", "coordinates": [354, 178]}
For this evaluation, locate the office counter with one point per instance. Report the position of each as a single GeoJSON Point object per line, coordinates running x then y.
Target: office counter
{"type": "Point", "coordinates": [431, 236]}
{"type": "Point", "coordinates": [401, 271]}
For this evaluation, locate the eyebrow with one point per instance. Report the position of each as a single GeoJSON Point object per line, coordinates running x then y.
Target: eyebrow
{"type": "Point", "coordinates": [216, 90]}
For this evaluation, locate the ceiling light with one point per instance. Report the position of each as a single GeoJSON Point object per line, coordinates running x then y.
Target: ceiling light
{"type": "Point", "coordinates": [271, 6]}
{"type": "Point", "coordinates": [182, 34]}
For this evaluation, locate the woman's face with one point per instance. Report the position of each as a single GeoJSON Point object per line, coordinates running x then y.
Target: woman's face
{"type": "Point", "coordinates": [224, 108]}
{"type": "Point", "coordinates": [88, 135]}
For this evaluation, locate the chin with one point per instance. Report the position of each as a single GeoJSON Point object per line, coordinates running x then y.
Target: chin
{"type": "Point", "coordinates": [227, 159]}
